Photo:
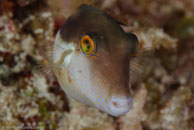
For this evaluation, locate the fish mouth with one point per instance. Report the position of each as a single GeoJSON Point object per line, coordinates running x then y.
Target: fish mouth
{"type": "Point", "coordinates": [119, 105]}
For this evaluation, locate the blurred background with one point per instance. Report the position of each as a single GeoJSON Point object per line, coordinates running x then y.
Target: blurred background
{"type": "Point", "coordinates": [163, 98]}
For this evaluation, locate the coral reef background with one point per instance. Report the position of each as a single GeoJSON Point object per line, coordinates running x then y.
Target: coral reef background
{"type": "Point", "coordinates": [163, 96]}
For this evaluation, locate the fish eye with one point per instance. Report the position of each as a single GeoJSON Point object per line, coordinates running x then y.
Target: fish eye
{"type": "Point", "coordinates": [88, 45]}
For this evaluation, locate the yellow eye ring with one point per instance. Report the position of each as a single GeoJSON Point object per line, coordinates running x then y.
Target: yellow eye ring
{"type": "Point", "coordinates": [87, 45]}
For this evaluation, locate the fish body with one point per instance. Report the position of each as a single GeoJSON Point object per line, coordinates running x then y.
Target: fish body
{"type": "Point", "coordinates": [91, 60]}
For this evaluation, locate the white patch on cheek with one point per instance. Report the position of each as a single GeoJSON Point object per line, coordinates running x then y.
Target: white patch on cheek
{"type": "Point", "coordinates": [80, 71]}
{"type": "Point", "coordinates": [59, 47]}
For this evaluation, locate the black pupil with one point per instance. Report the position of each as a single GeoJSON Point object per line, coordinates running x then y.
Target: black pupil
{"type": "Point", "coordinates": [87, 44]}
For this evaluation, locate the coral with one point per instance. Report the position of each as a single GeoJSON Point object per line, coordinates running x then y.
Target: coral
{"type": "Point", "coordinates": [176, 112]}
{"type": "Point", "coordinates": [132, 120]}
{"type": "Point", "coordinates": [82, 117]}
{"type": "Point", "coordinates": [156, 38]}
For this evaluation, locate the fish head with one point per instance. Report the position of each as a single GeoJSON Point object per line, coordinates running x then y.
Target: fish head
{"type": "Point", "coordinates": [91, 59]}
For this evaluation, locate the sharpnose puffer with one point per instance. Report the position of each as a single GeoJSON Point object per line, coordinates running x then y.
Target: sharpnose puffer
{"type": "Point", "coordinates": [91, 60]}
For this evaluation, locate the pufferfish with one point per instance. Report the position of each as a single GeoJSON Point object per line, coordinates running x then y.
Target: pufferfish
{"type": "Point", "coordinates": [91, 60]}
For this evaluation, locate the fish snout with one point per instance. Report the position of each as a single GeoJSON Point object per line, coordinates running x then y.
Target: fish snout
{"type": "Point", "coordinates": [119, 105]}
